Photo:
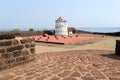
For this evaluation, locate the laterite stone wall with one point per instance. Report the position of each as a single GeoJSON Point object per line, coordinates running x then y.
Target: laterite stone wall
{"type": "Point", "coordinates": [117, 49]}
{"type": "Point", "coordinates": [15, 51]}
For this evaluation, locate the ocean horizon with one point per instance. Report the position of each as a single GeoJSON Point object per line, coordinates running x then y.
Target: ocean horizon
{"type": "Point", "coordinates": [104, 30]}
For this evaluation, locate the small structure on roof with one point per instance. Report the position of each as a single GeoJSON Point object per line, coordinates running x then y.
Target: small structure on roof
{"type": "Point", "coordinates": [71, 30]}
{"type": "Point", "coordinates": [61, 27]}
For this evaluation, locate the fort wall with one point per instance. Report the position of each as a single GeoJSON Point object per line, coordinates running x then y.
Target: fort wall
{"type": "Point", "coordinates": [117, 49]}
{"type": "Point", "coordinates": [15, 51]}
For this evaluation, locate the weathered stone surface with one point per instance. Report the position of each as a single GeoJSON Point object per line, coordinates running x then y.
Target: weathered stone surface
{"type": "Point", "coordinates": [7, 36]}
{"type": "Point", "coordinates": [17, 53]}
{"type": "Point", "coordinates": [15, 42]}
{"type": "Point", "coordinates": [75, 74]}
{"type": "Point", "coordinates": [3, 67]}
{"type": "Point", "coordinates": [88, 78]}
{"type": "Point", "coordinates": [32, 50]}
{"type": "Point", "coordinates": [6, 43]}
{"type": "Point", "coordinates": [6, 55]}
{"type": "Point", "coordinates": [11, 60]}
{"type": "Point", "coordinates": [15, 48]}
{"type": "Point", "coordinates": [2, 50]}
{"type": "Point", "coordinates": [23, 41]}
{"type": "Point", "coordinates": [64, 73]}
{"type": "Point", "coordinates": [27, 45]}
{"type": "Point", "coordinates": [1, 63]}
{"type": "Point", "coordinates": [55, 78]}
{"type": "Point", "coordinates": [28, 40]}
{"type": "Point", "coordinates": [33, 45]}
{"type": "Point", "coordinates": [45, 65]}
{"type": "Point", "coordinates": [69, 78]}
{"type": "Point", "coordinates": [21, 58]}
{"type": "Point", "coordinates": [98, 75]}
{"type": "Point", "coordinates": [24, 53]}
{"type": "Point", "coordinates": [114, 78]}
{"type": "Point", "coordinates": [13, 53]}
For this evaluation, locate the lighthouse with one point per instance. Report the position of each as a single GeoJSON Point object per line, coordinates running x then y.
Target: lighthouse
{"type": "Point", "coordinates": [61, 27]}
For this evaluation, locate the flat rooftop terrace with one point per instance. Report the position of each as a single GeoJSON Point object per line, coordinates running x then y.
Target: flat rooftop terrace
{"type": "Point", "coordinates": [70, 39]}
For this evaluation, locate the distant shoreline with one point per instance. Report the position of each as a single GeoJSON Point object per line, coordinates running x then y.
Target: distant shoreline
{"type": "Point", "coordinates": [89, 29]}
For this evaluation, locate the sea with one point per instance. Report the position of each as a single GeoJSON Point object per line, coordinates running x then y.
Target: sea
{"type": "Point", "coordinates": [90, 29]}
{"type": "Point", "coordinates": [103, 30]}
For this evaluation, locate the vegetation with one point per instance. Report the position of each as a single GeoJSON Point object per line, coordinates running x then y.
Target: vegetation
{"type": "Point", "coordinates": [31, 29]}
{"type": "Point", "coordinates": [16, 30]}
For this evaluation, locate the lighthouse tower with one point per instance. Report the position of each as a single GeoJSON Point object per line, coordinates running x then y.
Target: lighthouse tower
{"type": "Point", "coordinates": [61, 27]}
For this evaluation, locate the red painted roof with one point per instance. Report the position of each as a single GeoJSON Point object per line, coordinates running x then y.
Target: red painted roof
{"type": "Point", "coordinates": [66, 39]}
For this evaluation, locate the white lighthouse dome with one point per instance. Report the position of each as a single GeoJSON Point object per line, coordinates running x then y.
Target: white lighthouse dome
{"type": "Point", "coordinates": [61, 27]}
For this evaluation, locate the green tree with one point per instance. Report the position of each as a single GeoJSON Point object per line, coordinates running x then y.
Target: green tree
{"type": "Point", "coordinates": [31, 29]}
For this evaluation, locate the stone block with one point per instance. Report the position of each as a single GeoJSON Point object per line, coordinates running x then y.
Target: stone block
{"type": "Point", "coordinates": [17, 53]}
{"type": "Point", "coordinates": [6, 43]}
{"type": "Point", "coordinates": [27, 45]}
{"type": "Point", "coordinates": [1, 62]}
{"type": "Point", "coordinates": [3, 67]}
{"type": "Point", "coordinates": [23, 41]}
{"type": "Point", "coordinates": [2, 50]}
{"type": "Point", "coordinates": [31, 59]}
{"type": "Point", "coordinates": [21, 58]}
{"type": "Point", "coordinates": [15, 42]}
{"type": "Point", "coordinates": [24, 53]}
{"type": "Point", "coordinates": [32, 50]}
{"type": "Point", "coordinates": [28, 40]}
{"type": "Point", "coordinates": [6, 55]}
{"type": "Point", "coordinates": [7, 36]}
{"type": "Point", "coordinates": [33, 45]}
{"type": "Point", "coordinates": [12, 65]}
{"type": "Point", "coordinates": [17, 63]}
{"type": "Point", "coordinates": [10, 60]}
{"type": "Point", "coordinates": [17, 34]}
{"type": "Point", "coordinates": [14, 52]}
{"type": "Point", "coordinates": [14, 48]}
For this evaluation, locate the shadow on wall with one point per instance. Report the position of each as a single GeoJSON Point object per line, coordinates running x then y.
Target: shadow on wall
{"type": "Point", "coordinates": [111, 56]}
{"type": "Point", "coordinates": [49, 32]}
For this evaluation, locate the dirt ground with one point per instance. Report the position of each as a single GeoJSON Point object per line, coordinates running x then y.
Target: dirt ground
{"type": "Point", "coordinates": [106, 43]}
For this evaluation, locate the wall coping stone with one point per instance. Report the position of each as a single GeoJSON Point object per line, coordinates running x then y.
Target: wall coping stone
{"type": "Point", "coordinates": [7, 36]}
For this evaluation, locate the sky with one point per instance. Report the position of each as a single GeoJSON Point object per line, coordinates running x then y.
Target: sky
{"type": "Point", "coordinates": [41, 14]}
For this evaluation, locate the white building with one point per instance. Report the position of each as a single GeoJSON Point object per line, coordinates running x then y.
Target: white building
{"type": "Point", "coordinates": [61, 27]}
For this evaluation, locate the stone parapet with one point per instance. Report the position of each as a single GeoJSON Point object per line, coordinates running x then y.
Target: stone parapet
{"type": "Point", "coordinates": [15, 51]}
{"type": "Point", "coordinates": [7, 36]}
{"type": "Point", "coordinates": [117, 49]}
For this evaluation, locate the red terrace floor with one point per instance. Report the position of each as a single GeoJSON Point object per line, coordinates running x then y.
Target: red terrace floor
{"type": "Point", "coordinates": [71, 39]}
